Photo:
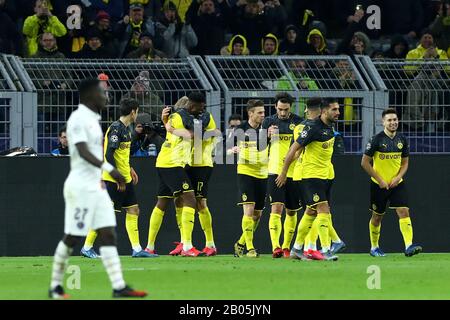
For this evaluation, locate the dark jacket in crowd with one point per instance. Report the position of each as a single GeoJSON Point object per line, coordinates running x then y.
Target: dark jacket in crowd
{"type": "Point", "coordinates": [88, 53]}
{"type": "Point", "coordinates": [288, 48]}
{"type": "Point", "coordinates": [48, 54]}
{"type": "Point", "coordinates": [11, 41]}
{"type": "Point", "coordinates": [390, 53]}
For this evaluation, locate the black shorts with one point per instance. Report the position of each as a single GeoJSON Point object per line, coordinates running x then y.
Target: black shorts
{"type": "Point", "coordinates": [316, 191]}
{"type": "Point", "coordinates": [126, 199]}
{"type": "Point", "coordinates": [252, 190]}
{"type": "Point", "coordinates": [288, 194]}
{"type": "Point", "coordinates": [199, 177]}
{"type": "Point", "coordinates": [173, 182]}
{"type": "Point", "coordinates": [379, 198]}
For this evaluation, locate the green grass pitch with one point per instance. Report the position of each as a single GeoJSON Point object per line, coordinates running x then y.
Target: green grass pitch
{"type": "Point", "coordinates": [224, 277]}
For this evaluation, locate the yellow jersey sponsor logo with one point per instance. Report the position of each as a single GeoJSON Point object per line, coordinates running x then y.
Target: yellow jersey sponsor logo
{"type": "Point", "coordinates": [316, 197]}
{"type": "Point", "coordinates": [244, 197]}
{"type": "Point", "coordinates": [389, 156]}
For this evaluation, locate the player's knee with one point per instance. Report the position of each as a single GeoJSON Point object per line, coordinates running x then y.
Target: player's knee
{"type": "Point", "coordinates": [107, 236]}
{"type": "Point", "coordinates": [162, 203]}
{"type": "Point", "coordinates": [71, 241]}
{"type": "Point", "coordinates": [133, 210]}
{"type": "Point", "coordinates": [201, 204]}
{"type": "Point", "coordinates": [323, 208]}
{"type": "Point", "coordinates": [291, 213]}
{"type": "Point", "coordinates": [376, 219]}
{"type": "Point", "coordinates": [277, 208]}
{"type": "Point", "coordinates": [178, 202]}
{"type": "Point", "coordinates": [189, 199]}
{"type": "Point", "coordinates": [402, 212]}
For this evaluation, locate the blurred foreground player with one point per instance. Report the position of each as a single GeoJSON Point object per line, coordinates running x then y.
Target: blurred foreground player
{"type": "Point", "coordinates": [88, 205]}
{"type": "Point", "coordinates": [389, 152]}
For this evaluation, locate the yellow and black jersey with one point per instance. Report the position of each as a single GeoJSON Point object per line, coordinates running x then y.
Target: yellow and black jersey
{"type": "Point", "coordinates": [116, 149]}
{"type": "Point", "coordinates": [317, 138]}
{"type": "Point", "coordinates": [281, 141]}
{"type": "Point", "coordinates": [297, 175]}
{"type": "Point", "coordinates": [176, 151]}
{"type": "Point", "coordinates": [203, 157]}
{"type": "Point", "coordinates": [387, 154]}
{"type": "Point", "coordinates": [253, 155]}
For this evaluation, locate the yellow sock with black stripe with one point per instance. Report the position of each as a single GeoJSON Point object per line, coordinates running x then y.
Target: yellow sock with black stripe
{"type": "Point", "coordinates": [374, 234]}
{"type": "Point", "coordinates": [178, 214]}
{"type": "Point", "coordinates": [155, 223]}
{"type": "Point", "coordinates": [323, 222]}
{"type": "Point", "coordinates": [205, 218]}
{"type": "Point", "coordinates": [407, 230]}
{"type": "Point", "coordinates": [332, 232]}
{"type": "Point", "coordinates": [247, 229]}
{"type": "Point", "coordinates": [275, 229]}
{"type": "Point", "coordinates": [90, 239]}
{"type": "Point", "coordinates": [241, 240]}
{"type": "Point", "coordinates": [187, 218]}
{"type": "Point", "coordinates": [131, 224]}
{"type": "Point", "coordinates": [304, 227]}
{"type": "Point", "coordinates": [290, 222]}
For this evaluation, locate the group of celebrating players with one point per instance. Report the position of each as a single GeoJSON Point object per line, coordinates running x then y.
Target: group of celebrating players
{"type": "Point", "coordinates": [281, 157]}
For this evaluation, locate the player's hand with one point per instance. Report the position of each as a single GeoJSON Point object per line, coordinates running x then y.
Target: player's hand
{"type": "Point", "coordinates": [116, 175]}
{"type": "Point", "coordinates": [394, 182]}
{"type": "Point", "coordinates": [165, 114]}
{"type": "Point", "coordinates": [383, 184]}
{"type": "Point", "coordinates": [280, 180]}
{"type": "Point", "coordinates": [134, 176]}
{"type": "Point", "coordinates": [235, 150]}
{"type": "Point", "coordinates": [272, 130]}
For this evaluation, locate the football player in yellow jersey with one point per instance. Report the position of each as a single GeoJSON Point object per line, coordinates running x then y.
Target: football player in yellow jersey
{"type": "Point", "coordinates": [175, 154]}
{"type": "Point", "coordinates": [316, 141]}
{"type": "Point", "coordinates": [252, 174]}
{"type": "Point", "coordinates": [116, 149]}
{"type": "Point", "coordinates": [280, 128]}
{"type": "Point", "coordinates": [308, 245]}
{"type": "Point", "coordinates": [388, 151]}
{"type": "Point", "coordinates": [199, 170]}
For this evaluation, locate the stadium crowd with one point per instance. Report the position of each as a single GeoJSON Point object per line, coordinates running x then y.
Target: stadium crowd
{"type": "Point", "coordinates": [158, 29]}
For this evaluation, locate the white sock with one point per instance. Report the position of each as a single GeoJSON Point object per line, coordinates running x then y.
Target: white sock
{"type": "Point", "coordinates": [60, 259]}
{"type": "Point", "coordinates": [325, 249]}
{"type": "Point", "coordinates": [210, 244]}
{"type": "Point", "coordinates": [298, 246]}
{"type": "Point", "coordinates": [337, 241]}
{"type": "Point", "coordinates": [111, 261]}
{"type": "Point", "coordinates": [87, 247]}
{"type": "Point", "coordinates": [151, 247]}
{"type": "Point", "coordinates": [138, 248]}
{"type": "Point", "coordinates": [312, 246]}
{"type": "Point", "coordinates": [187, 246]}
{"type": "Point", "coordinates": [373, 248]}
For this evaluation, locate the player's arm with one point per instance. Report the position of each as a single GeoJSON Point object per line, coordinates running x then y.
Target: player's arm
{"type": "Point", "coordinates": [290, 157]}
{"type": "Point", "coordinates": [86, 155]}
{"type": "Point", "coordinates": [403, 168]}
{"type": "Point", "coordinates": [366, 164]}
{"type": "Point", "coordinates": [175, 126]}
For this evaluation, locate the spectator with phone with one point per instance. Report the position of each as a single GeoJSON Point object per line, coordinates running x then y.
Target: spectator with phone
{"type": "Point", "coordinates": [63, 146]}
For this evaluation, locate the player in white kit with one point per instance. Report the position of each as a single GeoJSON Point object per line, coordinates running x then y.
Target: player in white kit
{"type": "Point", "coordinates": [88, 205]}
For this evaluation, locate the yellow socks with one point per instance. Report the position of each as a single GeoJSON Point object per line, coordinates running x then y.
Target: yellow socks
{"type": "Point", "coordinates": [241, 240]}
{"type": "Point", "coordinates": [131, 223]}
{"type": "Point", "coordinates": [323, 221]}
{"type": "Point", "coordinates": [206, 223]}
{"type": "Point", "coordinates": [90, 239]}
{"type": "Point", "coordinates": [290, 222]}
{"type": "Point", "coordinates": [332, 232]}
{"type": "Point", "coordinates": [275, 230]}
{"type": "Point", "coordinates": [178, 213]}
{"type": "Point", "coordinates": [247, 229]}
{"type": "Point", "coordinates": [407, 231]}
{"type": "Point", "coordinates": [374, 234]}
{"type": "Point", "coordinates": [187, 219]}
{"type": "Point", "coordinates": [303, 229]}
{"type": "Point", "coordinates": [155, 223]}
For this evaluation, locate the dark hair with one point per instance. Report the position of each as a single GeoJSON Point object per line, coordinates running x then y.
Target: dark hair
{"type": "Point", "coordinates": [314, 103]}
{"type": "Point", "coordinates": [197, 97]}
{"type": "Point", "coordinates": [61, 130]}
{"type": "Point", "coordinates": [253, 103]}
{"type": "Point", "coordinates": [389, 111]}
{"type": "Point", "coordinates": [284, 97]}
{"type": "Point", "coordinates": [127, 105]}
{"type": "Point", "coordinates": [234, 117]}
{"type": "Point", "coordinates": [87, 86]}
{"type": "Point", "coordinates": [327, 102]}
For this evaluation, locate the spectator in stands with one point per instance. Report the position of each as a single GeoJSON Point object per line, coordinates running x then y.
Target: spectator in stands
{"type": "Point", "coordinates": [146, 51]}
{"type": "Point", "coordinates": [209, 23]}
{"type": "Point", "coordinates": [249, 21]}
{"type": "Point", "coordinates": [130, 28]}
{"type": "Point", "coordinates": [142, 92]}
{"type": "Point", "coordinates": [377, 54]}
{"type": "Point", "coordinates": [48, 48]}
{"type": "Point", "coordinates": [115, 9]}
{"type": "Point", "coordinates": [291, 43]}
{"type": "Point", "coordinates": [358, 43]}
{"type": "Point", "coordinates": [178, 37]}
{"type": "Point", "coordinates": [398, 49]}
{"type": "Point", "coordinates": [298, 75]}
{"type": "Point", "coordinates": [426, 49]}
{"type": "Point", "coordinates": [93, 48]}
{"type": "Point", "coordinates": [103, 27]}
{"type": "Point", "coordinates": [182, 6]}
{"type": "Point", "coordinates": [440, 27]}
{"type": "Point", "coordinates": [147, 141]}
{"type": "Point", "coordinates": [357, 21]}
{"type": "Point", "coordinates": [277, 16]}
{"type": "Point", "coordinates": [236, 47]}
{"type": "Point", "coordinates": [63, 146]}
{"type": "Point", "coordinates": [234, 121]}
{"type": "Point", "coordinates": [269, 45]}
{"type": "Point", "coordinates": [10, 37]}
{"type": "Point", "coordinates": [42, 21]}
{"type": "Point", "coordinates": [345, 80]}
{"type": "Point", "coordinates": [317, 44]}
{"type": "Point", "coordinates": [152, 8]}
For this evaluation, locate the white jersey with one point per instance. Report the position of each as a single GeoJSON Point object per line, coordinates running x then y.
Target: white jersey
{"type": "Point", "coordinates": [83, 126]}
